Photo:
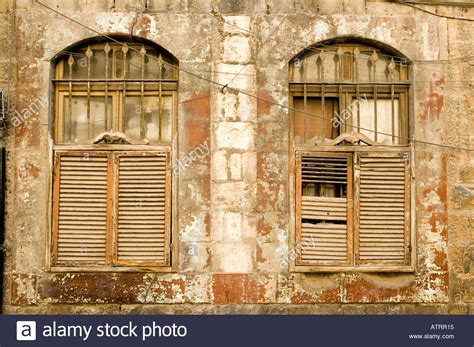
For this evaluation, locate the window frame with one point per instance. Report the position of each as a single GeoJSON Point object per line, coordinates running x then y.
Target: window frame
{"type": "Point", "coordinates": [117, 108]}
{"type": "Point", "coordinates": [351, 89]}
{"type": "Point", "coordinates": [346, 94]}
{"type": "Point", "coordinates": [134, 87]}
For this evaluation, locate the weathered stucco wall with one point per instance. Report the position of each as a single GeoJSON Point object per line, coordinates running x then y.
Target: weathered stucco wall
{"type": "Point", "coordinates": [234, 208]}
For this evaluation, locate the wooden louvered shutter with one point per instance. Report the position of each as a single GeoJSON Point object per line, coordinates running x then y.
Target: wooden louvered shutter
{"type": "Point", "coordinates": [143, 208]}
{"type": "Point", "coordinates": [323, 208]}
{"type": "Point", "coordinates": [80, 219]}
{"type": "Point", "coordinates": [383, 235]}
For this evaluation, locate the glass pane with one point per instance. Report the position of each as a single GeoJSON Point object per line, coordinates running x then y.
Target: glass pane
{"type": "Point", "coordinates": [167, 120]}
{"type": "Point", "coordinates": [135, 64]}
{"type": "Point", "coordinates": [151, 121]}
{"type": "Point", "coordinates": [131, 117]}
{"type": "Point", "coordinates": [118, 64]}
{"type": "Point", "coordinates": [384, 119]}
{"type": "Point", "coordinates": [347, 66]}
{"type": "Point", "coordinates": [79, 67]}
{"type": "Point", "coordinates": [98, 65]}
{"type": "Point", "coordinates": [79, 129]}
{"type": "Point", "coordinates": [316, 125]}
{"type": "Point", "coordinates": [151, 68]}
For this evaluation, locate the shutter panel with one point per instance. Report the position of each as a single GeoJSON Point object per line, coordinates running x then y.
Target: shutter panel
{"type": "Point", "coordinates": [323, 193]}
{"type": "Point", "coordinates": [143, 209]}
{"type": "Point", "coordinates": [383, 236]}
{"type": "Point", "coordinates": [80, 208]}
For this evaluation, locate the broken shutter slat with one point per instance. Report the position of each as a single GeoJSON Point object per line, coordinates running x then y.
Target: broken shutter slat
{"type": "Point", "coordinates": [324, 192]}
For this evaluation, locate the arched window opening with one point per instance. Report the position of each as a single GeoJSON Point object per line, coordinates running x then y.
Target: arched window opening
{"type": "Point", "coordinates": [110, 87]}
{"type": "Point", "coordinates": [115, 120]}
{"type": "Point", "coordinates": [352, 159]}
{"type": "Point", "coordinates": [348, 87]}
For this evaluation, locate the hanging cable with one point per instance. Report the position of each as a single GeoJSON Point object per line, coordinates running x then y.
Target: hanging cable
{"type": "Point", "coordinates": [247, 93]}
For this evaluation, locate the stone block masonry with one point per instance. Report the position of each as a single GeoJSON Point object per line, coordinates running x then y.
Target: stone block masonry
{"type": "Point", "coordinates": [233, 207]}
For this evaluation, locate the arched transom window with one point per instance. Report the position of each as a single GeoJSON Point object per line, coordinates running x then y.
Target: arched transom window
{"type": "Point", "coordinates": [127, 88]}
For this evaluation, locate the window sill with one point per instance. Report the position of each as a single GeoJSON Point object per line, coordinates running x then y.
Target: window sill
{"type": "Point", "coordinates": [165, 269]}
{"type": "Point", "coordinates": [316, 268]}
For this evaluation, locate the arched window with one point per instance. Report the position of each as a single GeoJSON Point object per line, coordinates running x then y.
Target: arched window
{"type": "Point", "coordinates": [350, 129]}
{"type": "Point", "coordinates": [104, 87]}
{"type": "Point", "coordinates": [115, 107]}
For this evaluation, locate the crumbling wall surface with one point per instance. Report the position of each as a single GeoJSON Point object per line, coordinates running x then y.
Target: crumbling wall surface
{"type": "Point", "coordinates": [234, 213]}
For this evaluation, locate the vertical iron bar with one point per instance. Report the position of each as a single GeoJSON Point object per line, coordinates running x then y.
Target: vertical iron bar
{"type": "Point", "coordinates": [70, 130]}
{"type": "Point", "coordinates": [358, 107]}
{"type": "Point", "coordinates": [375, 112]}
{"type": "Point", "coordinates": [342, 104]}
{"type": "Point", "coordinates": [339, 55]}
{"type": "Point", "coordinates": [322, 56]}
{"type": "Point", "coordinates": [392, 98]}
{"type": "Point", "coordinates": [323, 101]}
{"type": "Point", "coordinates": [160, 96]}
{"type": "Point", "coordinates": [90, 125]}
{"type": "Point", "coordinates": [142, 96]}
{"type": "Point", "coordinates": [124, 50]}
{"type": "Point", "coordinates": [356, 63]}
{"type": "Point", "coordinates": [305, 108]}
{"type": "Point", "coordinates": [106, 116]}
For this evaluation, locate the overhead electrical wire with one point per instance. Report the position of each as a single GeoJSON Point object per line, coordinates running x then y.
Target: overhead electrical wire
{"type": "Point", "coordinates": [221, 85]}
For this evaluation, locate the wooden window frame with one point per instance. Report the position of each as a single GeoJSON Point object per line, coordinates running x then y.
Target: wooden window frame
{"type": "Point", "coordinates": [347, 93]}
{"type": "Point", "coordinates": [115, 87]}
{"type": "Point", "coordinates": [111, 262]}
{"type": "Point", "coordinates": [346, 86]}
{"type": "Point", "coordinates": [117, 106]}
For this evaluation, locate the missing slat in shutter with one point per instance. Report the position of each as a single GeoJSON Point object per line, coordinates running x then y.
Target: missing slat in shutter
{"type": "Point", "coordinates": [322, 211]}
{"type": "Point", "coordinates": [383, 216]}
{"type": "Point", "coordinates": [143, 209]}
{"type": "Point", "coordinates": [81, 209]}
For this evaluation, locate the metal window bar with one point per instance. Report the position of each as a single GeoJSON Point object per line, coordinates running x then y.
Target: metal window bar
{"type": "Point", "coordinates": [356, 64]}
{"type": "Point", "coordinates": [322, 57]}
{"type": "Point", "coordinates": [106, 118]}
{"type": "Point", "coordinates": [142, 95]}
{"type": "Point", "coordinates": [89, 54]}
{"type": "Point", "coordinates": [322, 104]}
{"type": "Point", "coordinates": [160, 96]}
{"type": "Point", "coordinates": [392, 100]}
{"type": "Point", "coordinates": [342, 121]}
{"type": "Point", "coordinates": [124, 74]}
{"type": "Point", "coordinates": [305, 104]}
{"type": "Point", "coordinates": [358, 108]}
{"type": "Point", "coordinates": [70, 129]}
{"type": "Point", "coordinates": [340, 63]}
{"type": "Point", "coordinates": [375, 113]}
